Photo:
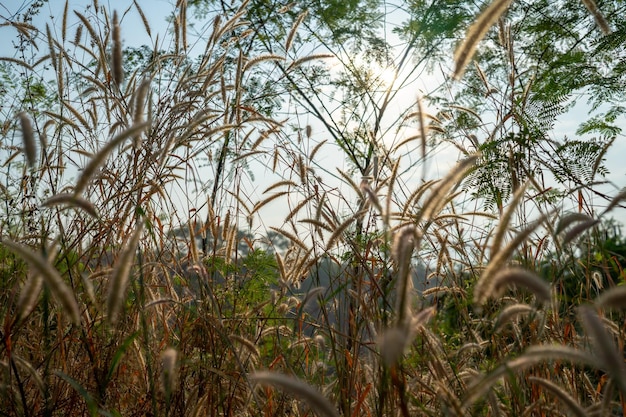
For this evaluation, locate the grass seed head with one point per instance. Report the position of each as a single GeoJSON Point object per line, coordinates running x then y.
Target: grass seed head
{"type": "Point", "coordinates": [117, 58]}
{"type": "Point", "coordinates": [299, 388]}
{"type": "Point", "coordinates": [120, 276]}
{"type": "Point", "coordinates": [30, 149]}
{"type": "Point", "coordinates": [169, 376]}
{"type": "Point", "coordinates": [59, 289]}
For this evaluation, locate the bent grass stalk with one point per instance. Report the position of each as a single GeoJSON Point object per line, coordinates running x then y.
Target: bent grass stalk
{"type": "Point", "coordinates": [296, 387]}
{"type": "Point", "coordinates": [120, 275]}
{"type": "Point", "coordinates": [61, 291]}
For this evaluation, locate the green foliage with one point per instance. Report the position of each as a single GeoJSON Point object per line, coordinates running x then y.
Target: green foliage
{"type": "Point", "coordinates": [260, 275]}
{"type": "Point", "coordinates": [531, 69]}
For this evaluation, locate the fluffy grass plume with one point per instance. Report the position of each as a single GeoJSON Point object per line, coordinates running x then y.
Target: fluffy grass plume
{"type": "Point", "coordinates": [597, 15]}
{"type": "Point", "coordinates": [532, 356]}
{"type": "Point", "coordinates": [510, 312]}
{"type": "Point", "coordinates": [440, 193]}
{"type": "Point", "coordinates": [604, 346]}
{"type": "Point", "coordinates": [72, 201]}
{"type": "Point", "coordinates": [392, 344]}
{"type": "Point", "coordinates": [520, 277]}
{"type": "Point", "coordinates": [486, 285]}
{"type": "Point", "coordinates": [294, 30]}
{"type": "Point", "coordinates": [29, 295]}
{"type": "Point", "coordinates": [116, 58]}
{"type": "Point", "coordinates": [30, 150]}
{"type": "Point", "coordinates": [169, 373]}
{"type": "Point", "coordinates": [101, 156]}
{"type": "Point", "coordinates": [296, 387]}
{"type": "Point", "coordinates": [505, 219]}
{"type": "Point", "coordinates": [614, 298]}
{"type": "Point", "coordinates": [405, 241]}
{"type": "Point", "coordinates": [59, 289]}
{"type": "Point", "coordinates": [476, 33]}
{"type": "Point", "coordinates": [573, 406]}
{"type": "Point", "coordinates": [119, 278]}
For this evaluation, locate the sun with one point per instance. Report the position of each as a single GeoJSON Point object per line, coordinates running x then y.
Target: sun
{"type": "Point", "coordinates": [387, 75]}
{"type": "Point", "coordinates": [375, 74]}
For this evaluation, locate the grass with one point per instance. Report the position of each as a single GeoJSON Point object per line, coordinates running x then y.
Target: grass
{"type": "Point", "coordinates": [119, 299]}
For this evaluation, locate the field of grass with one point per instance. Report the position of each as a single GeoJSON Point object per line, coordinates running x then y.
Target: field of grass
{"type": "Point", "coordinates": [119, 299]}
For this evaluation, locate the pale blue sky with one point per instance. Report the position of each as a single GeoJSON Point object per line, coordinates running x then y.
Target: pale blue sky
{"type": "Point", "coordinates": [133, 33]}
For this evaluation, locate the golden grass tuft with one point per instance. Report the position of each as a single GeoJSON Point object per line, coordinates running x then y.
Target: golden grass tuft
{"type": "Point", "coordinates": [59, 289]}
{"type": "Point", "coordinates": [605, 349]}
{"type": "Point", "coordinates": [476, 33]}
{"type": "Point", "coordinates": [297, 387]}
{"type": "Point", "coordinates": [120, 276]}
{"type": "Point", "coordinates": [597, 15]}
{"type": "Point", "coordinates": [573, 406]}
{"type": "Point", "coordinates": [116, 51]}
{"type": "Point", "coordinates": [30, 149]}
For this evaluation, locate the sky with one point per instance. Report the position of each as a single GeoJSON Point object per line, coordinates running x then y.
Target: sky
{"type": "Point", "coordinates": [442, 158]}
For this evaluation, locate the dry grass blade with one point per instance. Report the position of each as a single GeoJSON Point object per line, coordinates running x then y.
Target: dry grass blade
{"type": "Point", "coordinates": [604, 345]}
{"type": "Point", "coordinates": [296, 387]}
{"type": "Point", "coordinates": [567, 399]}
{"type": "Point", "coordinates": [73, 201]}
{"type": "Point", "coordinates": [120, 275]}
{"type": "Point", "coordinates": [532, 356]}
{"type": "Point", "coordinates": [59, 289]}
{"type": "Point", "coordinates": [613, 298]}
{"type": "Point", "coordinates": [505, 219]}
{"type": "Point", "coordinates": [102, 155]}
{"type": "Point", "coordinates": [476, 33]}
{"type": "Point", "coordinates": [597, 15]}
{"type": "Point", "coordinates": [521, 278]}
{"type": "Point", "coordinates": [30, 149]}
{"type": "Point", "coordinates": [116, 58]}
